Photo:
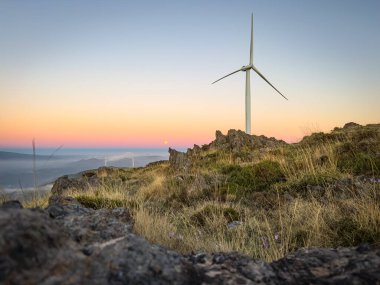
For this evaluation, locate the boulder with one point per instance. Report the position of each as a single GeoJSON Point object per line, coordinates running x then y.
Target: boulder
{"type": "Point", "coordinates": [178, 160]}
{"type": "Point", "coordinates": [34, 249]}
{"type": "Point", "coordinates": [89, 178]}
{"type": "Point", "coordinates": [70, 244]}
{"type": "Point", "coordinates": [358, 265]}
{"type": "Point", "coordinates": [65, 184]}
{"type": "Point", "coordinates": [87, 226]}
{"type": "Point", "coordinates": [11, 204]}
{"type": "Point", "coordinates": [82, 246]}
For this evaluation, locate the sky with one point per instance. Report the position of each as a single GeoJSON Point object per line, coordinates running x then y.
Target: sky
{"type": "Point", "coordinates": [90, 73]}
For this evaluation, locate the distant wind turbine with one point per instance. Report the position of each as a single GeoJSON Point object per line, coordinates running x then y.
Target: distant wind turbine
{"type": "Point", "coordinates": [247, 69]}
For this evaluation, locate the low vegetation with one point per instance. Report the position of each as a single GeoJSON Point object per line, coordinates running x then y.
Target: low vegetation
{"type": "Point", "coordinates": [322, 192]}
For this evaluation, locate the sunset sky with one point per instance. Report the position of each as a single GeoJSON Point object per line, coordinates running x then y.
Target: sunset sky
{"type": "Point", "coordinates": [90, 73]}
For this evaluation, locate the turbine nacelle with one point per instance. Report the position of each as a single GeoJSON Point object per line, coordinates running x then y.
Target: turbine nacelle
{"type": "Point", "coordinates": [246, 67]}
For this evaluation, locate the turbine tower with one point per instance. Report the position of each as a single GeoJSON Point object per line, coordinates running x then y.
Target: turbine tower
{"type": "Point", "coordinates": [247, 70]}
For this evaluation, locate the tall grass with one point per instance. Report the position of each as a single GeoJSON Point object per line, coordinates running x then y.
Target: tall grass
{"type": "Point", "coordinates": [195, 210]}
{"type": "Point", "coordinates": [181, 211]}
{"type": "Point", "coordinates": [37, 198]}
{"type": "Point", "coordinates": [269, 235]}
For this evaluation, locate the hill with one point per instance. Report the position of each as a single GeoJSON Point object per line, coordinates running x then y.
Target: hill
{"type": "Point", "coordinates": [311, 210]}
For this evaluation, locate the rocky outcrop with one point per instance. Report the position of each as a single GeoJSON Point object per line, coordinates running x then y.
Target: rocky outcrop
{"type": "Point", "coordinates": [235, 142]}
{"type": "Point", "coordinates": [34, 249]}
{"type": "Point", "coordinates": [88, 226]}
{"type": "Point", "coordinates": [65, 183]}
{"type": "Point", "coordinates": [351, 125]}
{"type": "Point", "coordinates": [178, 160]}
{"type": "Point", "coordinates": [89, 178]}
{"type": "Point", "coordinates": [306, 266]}
{"type": "Point", "coordinates": [70, 244]}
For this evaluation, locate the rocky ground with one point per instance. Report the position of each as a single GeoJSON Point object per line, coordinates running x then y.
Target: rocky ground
{"type": "Point", "coordinates": [67, 243]}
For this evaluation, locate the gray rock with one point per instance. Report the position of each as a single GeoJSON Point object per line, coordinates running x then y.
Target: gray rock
{"type": "Point", "coordinates": [89, 178]}
{"type": "Point", "coordinates": [235, 141]}
{"type": "Point", "coordinates": [36, 250]}
{"type": "Point", "coordinates": [70, 244]}
{"type": "Point", "coordinates": [359, 265]}
{"type": "Point", "coordinates": [66, 183]}
{"type": "Point", "coordinates": [134, 261]}
{"type": "Point", "coordinates": [87, 226]}
{"type": "Point", "coordinates": [178, 160]}
{"type": "Point", "coordinates": [11, 204]}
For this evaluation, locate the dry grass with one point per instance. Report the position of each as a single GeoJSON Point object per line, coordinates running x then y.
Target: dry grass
{"type": "Point", "coordinates": [194, 210]}
{"type": "Point", "coordinates": [269, 235]}
{"type": "Point", "coordinates": [29, 199]}
{"type": "Point", "coordinates": [36, 200]}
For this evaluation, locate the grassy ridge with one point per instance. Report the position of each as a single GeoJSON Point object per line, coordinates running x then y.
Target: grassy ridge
{"type": "Point", "coordinates": [267, 202]}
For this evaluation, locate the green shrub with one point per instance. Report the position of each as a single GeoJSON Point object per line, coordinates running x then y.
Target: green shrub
{"type": "Point", "coordinates": [95, 202]}
{"type": "Point", "coordinates": [365, 134]}
{"type": "Point", "coordinates": [360, 158]}
{"type": "Point", "coordinates": [320, 138]}
{"type": "Point", "coordinates": [350, 233]}
{"type": "Point", "coordinates": [300, 185]}
{"type": "Point", "coordinates": [257, 177]}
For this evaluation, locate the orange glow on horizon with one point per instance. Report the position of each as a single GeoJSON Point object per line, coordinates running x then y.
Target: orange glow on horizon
{"type": "Point", "coordinates": [94, 138]}
{"type": "Point", "coordinates": [91, 122]}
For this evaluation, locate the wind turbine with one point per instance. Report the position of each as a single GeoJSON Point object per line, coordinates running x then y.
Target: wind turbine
{"type": "Point", "coordinates": [247, 69]}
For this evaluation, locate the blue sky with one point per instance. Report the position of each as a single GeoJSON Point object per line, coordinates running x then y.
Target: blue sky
{"type": "Point", "coordinates": [149, 65]}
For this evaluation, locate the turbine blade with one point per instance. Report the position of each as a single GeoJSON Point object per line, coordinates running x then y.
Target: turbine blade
{"type": "Point", "coordinates": [263, 77]}
{"type": "Point", "coordinates": [251, 47]}
{"type": "Point", "coordinates": [227, 75]}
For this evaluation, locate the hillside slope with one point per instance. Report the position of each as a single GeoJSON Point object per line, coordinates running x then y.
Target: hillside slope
{"type": "Point", "coordinates": [310, 210]}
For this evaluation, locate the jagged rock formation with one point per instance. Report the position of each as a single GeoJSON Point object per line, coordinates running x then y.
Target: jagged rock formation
{"type": "Point", "coordinates": [235, 141]}
{"type": "Point", "coordinates": [179, 160]}
{"type": "Point", "coordinates": [70, 244]}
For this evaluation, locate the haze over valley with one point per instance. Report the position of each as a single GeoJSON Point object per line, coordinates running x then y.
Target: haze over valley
{"type": "Point", "coordinates": [17, 171]}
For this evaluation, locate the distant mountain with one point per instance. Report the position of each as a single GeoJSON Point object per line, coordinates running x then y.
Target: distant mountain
{"type": "Point", "coordinates": [84, 164]}
{"type": "Point", "coordinates": [137, 161]}
{"type": "Point", "coordinates": [16, 169]}
{"type": "Point", "coordinates": [20, 156]}
{"type": "Point", "coordinates": [124, 162]}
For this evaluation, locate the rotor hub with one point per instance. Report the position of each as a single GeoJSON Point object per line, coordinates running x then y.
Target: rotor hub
{"type": "Point", "coordinates": [246, 67]}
